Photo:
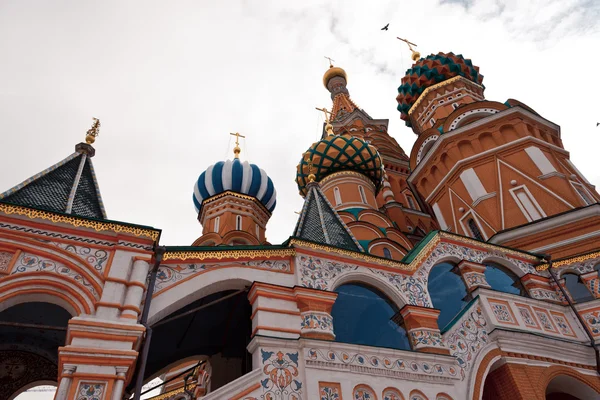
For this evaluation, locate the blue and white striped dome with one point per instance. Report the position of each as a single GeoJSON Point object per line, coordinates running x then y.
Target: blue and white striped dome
{"type": "Point", "coordinates": [239, 177]}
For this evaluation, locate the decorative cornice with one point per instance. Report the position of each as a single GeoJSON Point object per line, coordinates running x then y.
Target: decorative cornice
{"type": "Point", "coordinates": [227, 254]}
{"type": "Point", "coordinates": [98, 226]}
{"type": "Point", "coordinates": [238, 195]}
{"type": "Point", "coordinates": [569, 261]}
{"type": "Point", "coordinates": [437, 86]}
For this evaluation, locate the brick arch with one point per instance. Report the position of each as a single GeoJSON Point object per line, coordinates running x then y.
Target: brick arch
{"type": "Point", "coordinates": [556, 370]}
{"type": "Point", "coordinates": [484, 366]}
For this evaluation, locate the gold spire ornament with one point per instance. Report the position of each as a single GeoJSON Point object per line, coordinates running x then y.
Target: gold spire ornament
{"type": "Point", "coordinates": [236, 149]}
{"type": "Point", "coordinates": [311, 177]}
{"type": "Point", "coordinates": [415, 54]}
{"type": "Point", "coordinates": [90, 137]}
{"type": "Point", "coordinates": [328, 126]}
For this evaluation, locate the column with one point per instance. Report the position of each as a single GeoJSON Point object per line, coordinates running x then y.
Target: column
{"type": "Point", "coordinates": [422, 328]}
{"type": "Point", "coordinates": [473, 275]}
{"type": "Point", "coordinates": [135, 289]}
{"type": "Point", "coordinates": [274, 311]}
{"type": "Point", "coordinates": [542, 288]}
{"type": "Point", "coordinates": [65, 382]}
{"type": "Point", "coordinates": [117, 393]}
{"type": "Point", "coordinates": [315, 312]}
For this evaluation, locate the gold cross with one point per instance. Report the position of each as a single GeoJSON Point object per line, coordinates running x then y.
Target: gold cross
{"type": "Point", "coordinates": [415, 54]}
{"type": "Point", "coordinates": [331, 60]}
{"type": "Point", "coordinates": [326, 112]}
{"type": "Point", "coordinates": [236, 149]}
{"type": "Point", "coordinates": [237, 138]}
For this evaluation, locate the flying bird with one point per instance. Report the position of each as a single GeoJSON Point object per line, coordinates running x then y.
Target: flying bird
{"type": "Point", "coordinates": [597, 123]}
{"type": "Point", "coordinates": [385, 28]}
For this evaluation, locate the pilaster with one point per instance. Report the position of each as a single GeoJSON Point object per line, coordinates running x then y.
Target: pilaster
{"type": "Point", "coordinates": [315, 311]}
{"type": "Point", "coordinates": [274, 311]}
{"type": "Point", "coordinates": [542, 288]}
{"type": "Point", "coordinates": [422, 328]}
{"type": "Point", "coordinates": [473, 275]}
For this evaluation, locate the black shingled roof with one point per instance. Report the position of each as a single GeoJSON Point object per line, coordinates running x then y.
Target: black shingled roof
{"type": "Point", "coordinates": [50, 189]}
{"type": "Point", "coordinates": [320, 223]}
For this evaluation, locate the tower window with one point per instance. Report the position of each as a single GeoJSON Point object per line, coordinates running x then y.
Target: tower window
{"type": "Point", "coordinates": [216, 224]}
{"type": "Point", "coordinates": [387, 253]}
{"type": "Point", "coordinates": [432, 121]}
{"type": "Point", "coordinates": [474, 228]}
{"type": "Point", "coordinates": [256, 229]}
{"type": "Point", "coordinates": [583, 193]}
{"type": "Point", "coordinates": [337, 195]}
{"type": "Point", "coordinates": [455, 105]}
{"type": "Point", "coordinates": [363, 198]}
{"type": "Point", "coordinates": [411, 201]}
{"type": "Point", "coordinates": [238, 222]}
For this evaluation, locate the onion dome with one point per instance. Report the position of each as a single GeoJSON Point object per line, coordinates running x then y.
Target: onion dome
{"type": "Point", "coordinates": [236, 176]}
{"type": "Point", "coordinates": [429, 71]}
{"type": "Point", "coordinates": [332, 72]}
{"type": "Point", "coordinates": [339, 153]}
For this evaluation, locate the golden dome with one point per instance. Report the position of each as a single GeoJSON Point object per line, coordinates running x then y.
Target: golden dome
{"type": "Point", "coordinates": [333, 72]}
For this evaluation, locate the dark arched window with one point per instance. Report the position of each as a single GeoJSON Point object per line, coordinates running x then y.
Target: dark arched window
{"type": "Point", "coordinates": [387, 253]}
{"type": "Point", "coordinates": [448, 292]}
{"type": "Point", "coordinates": [577, 289]}
{"type": "Point", "coordinates": [362, 315]}
{"type": "Point", "coordinates": [475, 229]}
{"type": "Point", "coordinates": [503, 280]}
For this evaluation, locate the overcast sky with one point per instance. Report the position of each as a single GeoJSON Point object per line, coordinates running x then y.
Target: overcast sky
{"type": "Point", "coordinates": [170, 80]}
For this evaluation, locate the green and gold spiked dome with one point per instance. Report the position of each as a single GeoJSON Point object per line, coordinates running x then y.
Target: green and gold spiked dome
{"type": "Point", "coordinates": [339, 153]}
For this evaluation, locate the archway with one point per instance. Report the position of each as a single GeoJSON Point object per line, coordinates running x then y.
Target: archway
{"type": "Point", "coordinates": [30, 335]}
{"type": "Point", "coordinates": [36, 390]}
{"type": "Point", "coordinates": [448, 292]}
{"type": "Point", "coordinates": [564, 387]}
{"type": "Point", "coordinates": [216, 327]}
{"type": "Point", "coordinates": [503, 279]}
{"type": "Point", "coordinates": [362, 315]}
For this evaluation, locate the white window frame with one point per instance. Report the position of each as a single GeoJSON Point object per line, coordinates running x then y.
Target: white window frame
{"type": "Point", "coordinates": [361, 192]}
{"type": "Point", "coordinates": [586, 192]}
{"type": "Point", "coordinates": [464, 224]}
{"type": "Point", "coordinates": [527, 211]}
{"type": "Point", "coordinates": [337, 195]}
{"type": "Point", "coordinates": [238, 222]}
{"type": "Point", "coordinates": [216, 224]}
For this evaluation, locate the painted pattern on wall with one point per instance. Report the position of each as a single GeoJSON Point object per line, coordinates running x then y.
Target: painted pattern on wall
{"type": "Point", "coordinates": [91, 391]}
{"type": "Point", "coordinates": [333, 357]}
{"type": "Point", "coordinates": [468, 336]}
{"type": "Point", "coordinates": [5, 258]}
{"type": "Point", "coordinates": [96, 258]}
{"type": "Point", "coordinates": [592, 318]}
{"type": "Point", "coordinates": [32, 263]}
{"type": "Point", "coordinates": [330, 391]}
{"type": "Point", "coordinates": [281, 370]}
{"type": "Point", "coordinates": [363, 392]}
{"type": "Point", "coordinates": [170, 274]}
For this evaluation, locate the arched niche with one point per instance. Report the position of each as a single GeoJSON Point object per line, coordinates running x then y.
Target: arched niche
{"type": "Point", "coordinates": [564, 387]}
{"type": "Point", "coordinates": [447, 291]}
{"type": "Point", "coordinates": [578, 290]}
{"type": "Point", "coordinates": [362, 315]}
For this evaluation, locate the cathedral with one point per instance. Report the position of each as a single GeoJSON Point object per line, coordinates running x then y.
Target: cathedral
{"type": "Point", "coordinates": [465, 269]}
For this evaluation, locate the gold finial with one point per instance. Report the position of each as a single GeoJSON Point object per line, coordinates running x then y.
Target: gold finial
{"type": "Point", "coordinates": [311, 176]}
{"type": "Point", "coordinates": [328, 126]}
{"type": "Point", "coordinates": [415, 54]}
{"type": "Point", "coordinates": [236, 149]}
{"type": "Point", "coordinates": [90, 137]}
{"type": "Point", "coordinates": [331, 60]}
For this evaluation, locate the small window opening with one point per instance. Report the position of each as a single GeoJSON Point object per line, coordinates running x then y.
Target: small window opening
{"type": "Point", "coordinates": [216, 224]}
{"type": "Point", "coordinates": [363, 198]}
{"type": "Point", "coordinates": [238, 222]}
{"type": "Point", "coordinates": [387, 253]}
{"type": "Point", "coordinates": [337, 195]}
{"type": "Point", "coordinates": [475, 229]}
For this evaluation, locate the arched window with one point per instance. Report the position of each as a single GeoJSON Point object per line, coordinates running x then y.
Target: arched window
{"type": "Point", "coordinates": [257, 230]}
{"type": "Point", "coordinates": [337, 195]}
{"type": "Point", "coordinates": [503, 280]}
{"type": "Point", "coordinates": [474, 228]}
{"type": "Point", "coordinates": [238, 222]}
{"type": "Point", "coordinates": [216, 226]}
{"type": "Point", "coordinates": [448, 292]}
{"type": "Point", "coordinates": [577, 289]}
{"type": "Point", "coordinates": [363, 198]}
{"type": "Point", "coordinates": [387, 253]}
{"type": "Point", "coordinates": [411, 202]}
{"type": "Point", "coordinates": [362, 315]}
